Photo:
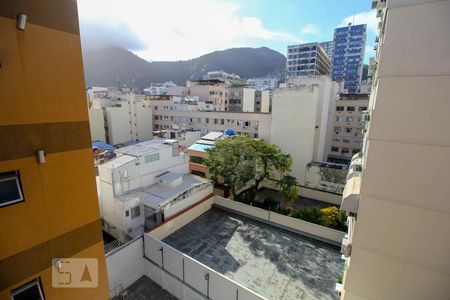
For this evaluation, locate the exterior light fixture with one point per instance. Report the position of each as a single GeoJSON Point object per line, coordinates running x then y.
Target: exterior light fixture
{"type": "Point", "coordinates": [21, 21]}
{"type": "Point", "coordinates": [40, 155]}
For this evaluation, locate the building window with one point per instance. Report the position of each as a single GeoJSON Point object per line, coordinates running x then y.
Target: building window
{"type": "Point", "coordinates": [337, 129]}
{"type": "Point", "coordinates": [127, 213]}
{"type": "Point", "coordinates": [10, 188]}
{"type": "Point", "coordinates": [335, 149]}
{"type": "Point", "coordinates": [30, 290]}
{"type": "Point", "coordinates": [152, 157]}
{"type": "Point", "coordinates": [339, 108]}
{"type": "Point", "coordinates": [349, 119]}
{"type": "Point", "coordinates": [348, 130]}
{"type": "Point", "coordinates": [135, 212]}
{"type": "Point", "coordinates": [362, 108]}
{"type": "Point", "coordinates": [350, 108]}
{"type": "Point", "coordinates": [354, 151]}
{"type": "Point", "coordinates": [345, 150]}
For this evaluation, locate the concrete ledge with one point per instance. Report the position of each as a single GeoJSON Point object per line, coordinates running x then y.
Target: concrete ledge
{"type": "Point", "coordinates": [308, 229]}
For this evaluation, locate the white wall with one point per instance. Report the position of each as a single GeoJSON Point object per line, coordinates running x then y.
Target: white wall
{"type": "Point", "coordinates": [144, 122]}
{"type": "Point", "coordinates": [97, 124]}
{"type": "Point", "coordinates": [125, 266]}
{"type": "Point", "coordinates": [294, 113]}
{"type": "Point", "coordinates": [119, 130]}
{"type": "Point", "coordinates": [307, 228]}
{"type": "Point", "coordinates": [248, 100]}
{"type": "Point", "coordinates": [220, 287]}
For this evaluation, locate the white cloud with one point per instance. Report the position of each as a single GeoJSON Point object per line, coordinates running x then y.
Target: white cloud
{"type": "Point", "coordinates": [174, 30]}
{"type": "Point", "coordinates": [310, 29]}
{"type": "Point", "coordinates": [368, 17]}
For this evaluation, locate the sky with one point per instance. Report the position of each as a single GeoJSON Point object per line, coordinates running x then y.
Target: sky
{"type": "Point", "coordinates": [171, 30]}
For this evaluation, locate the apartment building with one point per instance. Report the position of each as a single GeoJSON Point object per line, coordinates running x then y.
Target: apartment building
{"type": "Point", "coordinates": [302, 113]}
{"type": "Point", "coordinates": [211, 91]}
{"type": "Point", "coordinates": [118, 118]}
{"type": "Point", "coordinates": [146, 183]}
{"type": "Point", "coordinates": [198, 153]}
{"type": "Point", "coordinates": [262, 101]}
{"type": "Point", "coordinates": [167, 115]}
{"type": "Point", "coordinates": [48, 200]}
{"type": "Point", "coordinates": [227, 78]}
{"type": "Point", "coordinates": [347, 136]}
{"type": "Point", "coordinates": [397, 194]}
{"type": "Point", "coordinates": [329, 48]}
{"type": "Point", "coordinates": [307, 59]}
{"type": "Point", "coordinates": [348, 55]}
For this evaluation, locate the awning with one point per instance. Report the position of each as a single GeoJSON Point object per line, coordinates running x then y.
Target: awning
{"type": "Point", "coordinates": [351, 194]}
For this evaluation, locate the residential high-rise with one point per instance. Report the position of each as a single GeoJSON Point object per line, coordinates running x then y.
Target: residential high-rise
{"type": "Point", "coordinates": [347, 136]}
{"type": "Point", "coordinates": [119, 118]}
{"type": "Point", "coordinates": [397, 194]}
{"type": "Point", "coordinates": [348, 55]}
{"type": "Point", "coordinates": [48, 199]}
{"type": "Point", "coordinates": [307, 59]}
{"type": "Point", "coordinates": [302, 113]}
{"type": "Point", "coordinates": [329, 48]}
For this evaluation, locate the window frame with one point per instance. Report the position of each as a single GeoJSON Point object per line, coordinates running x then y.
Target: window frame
{"type": "Point", "coordinates": [24, 287]}
{"type": "Point", "coordinates": [8, 175]}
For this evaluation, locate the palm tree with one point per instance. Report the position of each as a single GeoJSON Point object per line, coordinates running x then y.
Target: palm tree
{"type": "Point", "coordinates": [289, 189]}
{"type": "Point", "coordinates": [283, 163]}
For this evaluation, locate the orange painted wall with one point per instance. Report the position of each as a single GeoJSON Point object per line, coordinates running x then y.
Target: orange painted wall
{"type": "Point", "coordinates": [60, 196]}
{"type": "Point", "coordinates": [41, 75]}
{"type": "Point", "coordinates": [70, 293]}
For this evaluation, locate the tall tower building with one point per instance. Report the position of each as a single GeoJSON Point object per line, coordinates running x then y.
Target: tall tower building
{"type": "Point", "coordinates": [329, 48]}
{"type": "Point", "coordinates": [307, 59]}
{"type": "Point", "coordinates": [348, 55]}
{"type": "Point", "coordinates": [48, 199]}
{"type": "Point", "coordinates": [397, 194]}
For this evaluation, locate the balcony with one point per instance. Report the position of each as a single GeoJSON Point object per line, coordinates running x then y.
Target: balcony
{"type": "Point", "coordinates": [351, 194]}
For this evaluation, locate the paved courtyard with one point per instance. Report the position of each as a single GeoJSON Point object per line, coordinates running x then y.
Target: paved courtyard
{"type": "Point", "coordinates": [272, 262]}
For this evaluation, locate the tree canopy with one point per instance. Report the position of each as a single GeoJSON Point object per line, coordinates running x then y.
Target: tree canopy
{"type": "Point", "coordinates": [237, 160]}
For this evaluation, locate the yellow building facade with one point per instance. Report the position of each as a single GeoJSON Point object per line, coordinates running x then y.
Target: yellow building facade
{"type": "Point", "coordinates": [43, 106]}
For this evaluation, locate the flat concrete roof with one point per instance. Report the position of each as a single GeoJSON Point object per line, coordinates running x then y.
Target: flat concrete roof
{"type": "Point", "coordinates": [274, 263]}
{"type": "Point", "coordinates": [144, 288]}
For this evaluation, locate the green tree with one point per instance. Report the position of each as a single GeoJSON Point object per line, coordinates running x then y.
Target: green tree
{"type": "Point", "coordinates": [289, 189]}
{"type": "Point", "coordinates": [283, 163]}
{"type": "Point", "coordinates": [227, 162]}
{"type": "Point", "coordinates": [240, 159]}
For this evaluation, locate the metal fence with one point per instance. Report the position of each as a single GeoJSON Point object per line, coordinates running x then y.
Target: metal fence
{"type": "Point", "coordinates": [186, 278]}
{"type": "Point", "coordinates": [121, 241]}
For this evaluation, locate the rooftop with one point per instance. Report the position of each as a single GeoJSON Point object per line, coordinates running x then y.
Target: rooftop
{"type": "Point", "coordinates": [157, 195]}
{"type": "Point", "coordinates": [274, 263]}
{"type": "Point", "coordinates": [212, 136]}
{"type": "Point", "coordinates": [200, 147]}
{"type": "Point", "coordinates": [144, 147]}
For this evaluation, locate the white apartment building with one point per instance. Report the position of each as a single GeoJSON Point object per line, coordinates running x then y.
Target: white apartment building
{"type": "Point", "coordinates": [117, 118]}
{"type": "Point", "coordinates": [347, 134]}
{"type": "Point", "coordinates": [302, 112]}
{"type": "Point", "coordinates": [169, 115]}
{"type": "Point", "coordinates": [146, 183]}
{"type": "Point", "coordinates": [241, 99]}
{"type": "Point", "coordinates": [398, 244]}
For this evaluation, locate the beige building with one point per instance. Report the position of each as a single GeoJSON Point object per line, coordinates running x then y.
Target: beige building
{"type": "Point", "coordinates": [118, 118]}
{"type": "Point", "coordinates": [302, 113]}
{"type": "Point", "coordinates": [347, 134]}
{"type": "Point", "coordinates": [398, 191]}
{"type": "Point", "coordinates": [211, 91]}
{"type": "Point", "coordinates": [241, 99]}
{"type": "Point", "coordinates": [169, 115]}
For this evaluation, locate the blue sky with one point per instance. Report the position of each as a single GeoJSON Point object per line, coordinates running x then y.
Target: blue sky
{"type": "Point", "coordinates": [180, 29]}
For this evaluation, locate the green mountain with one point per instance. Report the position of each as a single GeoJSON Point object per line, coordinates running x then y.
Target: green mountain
{"type": "Point", "coordinates": [113, 66]}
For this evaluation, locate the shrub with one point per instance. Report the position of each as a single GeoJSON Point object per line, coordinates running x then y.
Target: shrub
{"type": "Point", "coordinates": [270, 203]}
